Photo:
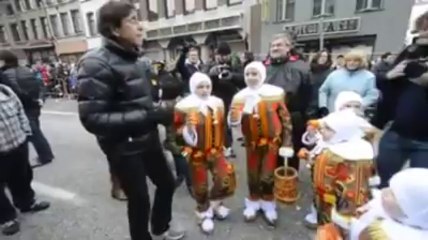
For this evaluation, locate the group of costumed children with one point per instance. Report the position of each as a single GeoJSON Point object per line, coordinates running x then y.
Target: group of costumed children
{"type": "Point", "coordinates": [340, 153]}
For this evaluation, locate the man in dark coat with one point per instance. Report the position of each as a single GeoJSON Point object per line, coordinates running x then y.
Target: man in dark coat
{"type": "Point", "coordinates": [292, 75]}
{"type": "Point", "coordinates": [30, 91]}
{"type": "Point", "coordinates": [115, 104]}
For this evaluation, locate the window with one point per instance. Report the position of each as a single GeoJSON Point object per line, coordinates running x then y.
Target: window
{"type": "Point", "coordinates": [39, 3]}
{"type": "Point", "coordinates": [75, 18]}
{"type": "Point", "coordinates": [210, 4]}
{"type": "Point", "coordinates": [233, 2]}
{"type": "Point", "coordinates": [54, 23]}
{"type": "Point", "coordinates": [50, 2]}
{"type": "Point", "coordinates": [24, 28]}
{"type": "Point", "coordinates": [328, 7]}
{"type": "Point", "coordinates": [364, 5]}
{"type": "Point", "coordinates": [153, 10]}
{"type": "Point", "coordinates": [18, 5]}
{"type": "Point", "coordinates": [27, 4]}
{"type": "Point", "coordinates": [44, 23]}
{"type": "Point", "coordinates": [2, 34]}
{"type": "Point", "coordinates": [285, 10]}
{"type": "Point", "coordinates": [64, 23]}
{"type": "Point", "coordinates": [189, 6]}
{"type": "Point", "coordinates": [34, 28]}
{"type": "Point", "coordinates": [169, 8]}
{"type": "Point", "coordinates": [9, 9]}
{"type": "Point", "coordinates": [91, 23]}
{"type": "Point", "coordinates": [15, 32]}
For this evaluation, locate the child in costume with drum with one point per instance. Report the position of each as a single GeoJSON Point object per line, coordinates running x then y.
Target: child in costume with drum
{"type": "Point", "coordinates": [200, 120]}
{"type": "Point", "coordinates": [265, 123]}
{"type": "Point", "coordinates": [342, 170]}
{"type": "Point", "coordinates": [398, 212]}
{"type": "Point", "coordinates": [346, 100]}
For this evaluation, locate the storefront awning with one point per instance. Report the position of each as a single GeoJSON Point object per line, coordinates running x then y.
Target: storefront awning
{"type": "Point", "coordinates": [70, 47]}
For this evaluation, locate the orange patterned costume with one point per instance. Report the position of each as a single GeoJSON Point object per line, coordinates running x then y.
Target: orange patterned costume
{"type": "Point", "coordinates": [200, 121]}
{"type": "Point", "coordinates": [266, 126]}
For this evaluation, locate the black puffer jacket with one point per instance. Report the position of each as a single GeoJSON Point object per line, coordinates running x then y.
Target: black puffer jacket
{"type": "Point", "coordinates": [23, 82]}
{"type": "Point", "coordinates": [115, 100]}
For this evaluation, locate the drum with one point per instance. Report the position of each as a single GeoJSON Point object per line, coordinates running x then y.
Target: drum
{"type": "Point", "coordinates": [285, 185]}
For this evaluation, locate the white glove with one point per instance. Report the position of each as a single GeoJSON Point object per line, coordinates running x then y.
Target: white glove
{"type": "Point", "coordinates": [374, 181]}
{"type": "Point", "coordinates": [287, 152]}
{"type": "Point", "coordinates": [190, 136]}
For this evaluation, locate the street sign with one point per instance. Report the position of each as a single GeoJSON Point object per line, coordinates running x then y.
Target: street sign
{"type": "Point", "coordinates": [333, 26]}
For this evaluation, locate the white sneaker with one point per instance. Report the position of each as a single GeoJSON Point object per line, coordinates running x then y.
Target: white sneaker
{"type": "Point", "coordinates": [220, 211]}
{"type": "Point", "coordinates": [251, 208]}
{"type": "Point", "coordinates": [206, 221]}
{"type": "Point", "coordinates": [269, 212]}
{"type": "Point", "coordinates": [311, 219]}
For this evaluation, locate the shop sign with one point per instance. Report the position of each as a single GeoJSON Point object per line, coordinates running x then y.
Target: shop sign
{"type": "Point", "coordinates": [333, 26]}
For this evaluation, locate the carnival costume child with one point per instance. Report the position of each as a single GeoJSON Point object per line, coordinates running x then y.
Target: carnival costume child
{"type": "Point", "coordinates": [397, 213]}
{"type": "Point", "coordinates": [346, 100]}
{"type": "Point", "coordinates": [200, 120]}
{"type": "Point", "coordinates": [265, 123]}
{"type": "Point", "coordinates": [342, 171]}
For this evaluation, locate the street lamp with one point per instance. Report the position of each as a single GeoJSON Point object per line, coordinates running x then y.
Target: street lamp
{"type": "Point", "coordinates": [321, 24]}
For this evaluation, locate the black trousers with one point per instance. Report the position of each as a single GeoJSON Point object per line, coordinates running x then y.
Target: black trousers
{"type": "Point", "coordinates": [38, 139]}
{"type": "Point", "coordinates": [132, 169]}
{"type": "Point", "coordinates": [16, 174]}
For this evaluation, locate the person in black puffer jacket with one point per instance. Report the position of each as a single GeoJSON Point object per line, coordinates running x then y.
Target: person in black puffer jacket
{"type": "Point", "coordinates": [30, 91]}
{"type": "Point", "coordinates": [115, 104]}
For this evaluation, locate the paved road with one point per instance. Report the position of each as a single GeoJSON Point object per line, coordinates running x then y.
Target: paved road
{"type": "Point", "coordinates": [77, 184]}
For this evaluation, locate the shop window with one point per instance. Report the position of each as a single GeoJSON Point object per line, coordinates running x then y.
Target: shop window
{"type": "Point", "coordinates": [285, 10]}
{"type": "Point", "coordinates": [9, 10]}
{"type": "Point", "coordinates": [27, 4]}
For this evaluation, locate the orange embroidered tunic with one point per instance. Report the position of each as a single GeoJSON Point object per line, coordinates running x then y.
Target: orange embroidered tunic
{"type": "Point", "coordinates": [209, 126]}
{"type": "Point", "coordinates": [270, 121]}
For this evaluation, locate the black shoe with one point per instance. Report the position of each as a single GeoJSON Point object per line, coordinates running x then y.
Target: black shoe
{"type": "Point", "coordinates": [36, 207]}
{"type": "Point", "coordinates": [10, 227]}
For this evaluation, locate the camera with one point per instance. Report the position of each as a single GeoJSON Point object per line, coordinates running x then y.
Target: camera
{"type": "Point", "coordinates": [224, 72]}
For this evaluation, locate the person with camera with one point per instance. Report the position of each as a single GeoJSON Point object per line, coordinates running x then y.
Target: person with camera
{"type": "Point", "coordinates": [115, 104]}
{"type": "Point", "coordinates": [227, 79]}
{"type": "Point", "coordinates": [188, 63]}
{"type": "Point", "coordinates": [406, 138]}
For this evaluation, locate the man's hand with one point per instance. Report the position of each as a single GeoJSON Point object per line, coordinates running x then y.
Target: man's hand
{"type": "Point", "coordinates": [215, 71]}
{"type": "Point", "coordinates": [397, 71]}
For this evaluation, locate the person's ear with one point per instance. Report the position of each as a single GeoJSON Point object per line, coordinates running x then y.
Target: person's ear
{"type": "Point", "coordinates": [115, 32]}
